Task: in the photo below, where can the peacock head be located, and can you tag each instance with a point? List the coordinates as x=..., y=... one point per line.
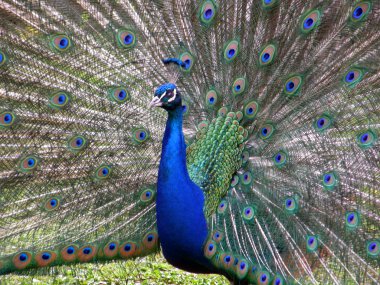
x=166, y=96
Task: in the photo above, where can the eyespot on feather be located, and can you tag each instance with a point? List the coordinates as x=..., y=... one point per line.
x=59, y=100
x=7, y=119
x=373, y=248
x=248, y=214
x=147, y=195
x=280, y=159
x=140, y=135
x=60, y=43
x=188, y=59
x=126, y=39
x=69, y=253
x=322, y=123
x=222, y=112
x=150, y=240
x=212, y=98
x=127, y=249
x=242, y=268
x=250, y=110
x=86, y=253
x=329, y=180
x=366, y=139
x=312, y=243
x=210, y=249
x=266, y=131
x=103, y=172
x=353, y=77
x=29, y=163
x=267, y=55
x=76, y=143
x=310, y=21
x=239, y=86
x=119, y=94
x=22, y=260
x=207, y=12
x=352, y=220
x=293, y=85
x=222, y=207
x=111, y=249
x=45, y=258
x=360, y=11
x=231, y=50
x=3, y=58
x=52, y=204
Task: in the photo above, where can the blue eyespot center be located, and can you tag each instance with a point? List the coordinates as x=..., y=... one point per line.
x=321, y=123
x=263, y=278
x=351, y=217
x=264, y=131
x=278, y=157
x=7, y=118
x=290, y=86
x=87, y=250
x=31, y=162
x=364, y=138
x=289, y=202
x=268, y=1
x=112, y=246
x=70, y=250
x=221, y=205
x=46, y=256
x=23, y=257
x=231, y=53
x=122, y=94
x=227, y=259
x=308, y=23
x=210, y=247
x=278, y=281
x=265, y=57
x=1, y=57
x=350, y=76
x=311, y=240
x=327, y=178
x=61, y=99
x=127, y=247
x=247, y=212
x=63, y=43
x=105, y=171
x=128, y=39
x=372, y=246
x=208, y=14
x=142, y=135
x=358, y=12
x=211, y=99
x=79, y=142
x=250, y=111
x=147, y=194
x=53, y=202
x=150, y=238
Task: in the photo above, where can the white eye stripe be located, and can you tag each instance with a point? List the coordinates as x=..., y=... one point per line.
x=163, y=95
x=175, y=95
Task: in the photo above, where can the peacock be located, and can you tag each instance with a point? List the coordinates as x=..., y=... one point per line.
x=237, y=137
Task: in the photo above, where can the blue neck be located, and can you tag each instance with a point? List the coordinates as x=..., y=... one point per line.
x=181, y=223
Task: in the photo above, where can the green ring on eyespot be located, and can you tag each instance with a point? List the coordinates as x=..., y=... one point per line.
x=280, y=159
x=366, y=139
x=239, y=86
x=188, y=59
x=211, y=98
x=310, y=21
x=103, y=172
x=29, y=163
x=231, y=50
x=329, y=180
x=140, y=135
x=266, y=131
x=147, y=195
x=60, y=43
x=353, y=77
x=59, y=100
x=293, y=85
x=312, y=243
x=246, y=178
x=118, y=94
x=126, y=39
x=360, y=11
x=352, y=220
x=7, y=119
x=3, y=58
x=373, y=248
x=76, y=143
x=267, y=55
x=207, y=12
x=250, y=110
x=322, y=123
x=249, y=213
x=222, y=207
x=291, y=205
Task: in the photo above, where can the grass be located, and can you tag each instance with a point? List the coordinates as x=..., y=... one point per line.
x=145, y=271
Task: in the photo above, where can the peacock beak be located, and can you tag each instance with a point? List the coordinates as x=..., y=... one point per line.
x=156, y=102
